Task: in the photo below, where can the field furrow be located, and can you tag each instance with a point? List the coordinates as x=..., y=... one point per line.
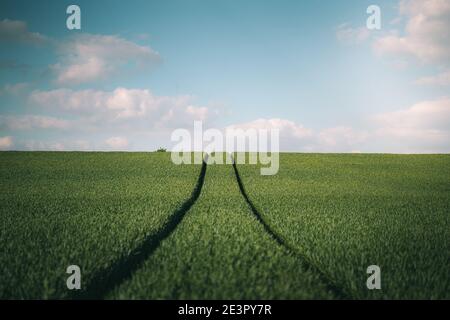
x=141, y=227
x=100, y=211
x=123, y=268
x=347, y=212
x=338, y=292
x=221, y=251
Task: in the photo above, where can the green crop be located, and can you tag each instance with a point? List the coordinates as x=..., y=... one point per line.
x=141, y=227
x=220, y=251
x=87, y=209
x=346, y=212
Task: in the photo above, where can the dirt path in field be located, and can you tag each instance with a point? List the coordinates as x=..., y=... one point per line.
x=121, y=270
x=339, y=292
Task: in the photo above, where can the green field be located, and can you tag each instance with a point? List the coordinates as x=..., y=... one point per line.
x=346, y=212
x=141, y=227
x=88, y=209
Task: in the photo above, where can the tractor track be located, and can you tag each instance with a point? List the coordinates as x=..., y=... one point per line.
x=106, y=280
x=331, y=286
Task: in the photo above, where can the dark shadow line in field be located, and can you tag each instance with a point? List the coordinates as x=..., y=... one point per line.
x=330, y=285
x=106, y=280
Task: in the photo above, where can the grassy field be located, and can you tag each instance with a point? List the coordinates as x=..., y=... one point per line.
x=88, y=209
x=220, y=251
x=142, y=227
x=346, y=212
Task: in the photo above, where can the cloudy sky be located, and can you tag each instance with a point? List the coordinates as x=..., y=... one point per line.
x=137, y=70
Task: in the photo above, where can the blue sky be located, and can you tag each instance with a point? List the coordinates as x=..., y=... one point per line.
x=139, y=69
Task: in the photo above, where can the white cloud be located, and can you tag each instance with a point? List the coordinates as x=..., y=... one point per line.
x=423, y=126
x=5, y=142
x=135, y=113
x=285, y=127
x=28, y=122
x=117, y=143
x=13, y=89
x=429, y=8
x=136, y=107
x=17, y=31
x=346, y=34
x=427, y=32
x=442, y=79
x=433, y=114
x=341, y=138
x=293, y=136
x=87, y=57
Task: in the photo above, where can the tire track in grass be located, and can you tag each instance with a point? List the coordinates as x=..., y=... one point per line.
x=340, y=292
x=219, y=251
x=106, y=280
